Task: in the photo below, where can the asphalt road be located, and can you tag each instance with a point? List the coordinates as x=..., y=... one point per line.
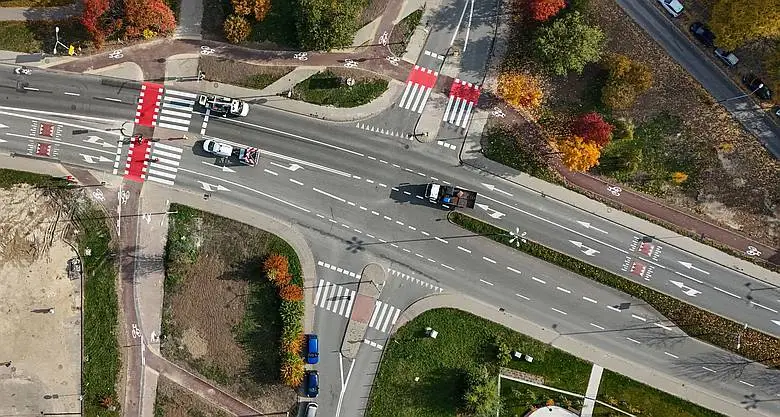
x=347, y=189
x=707, y=73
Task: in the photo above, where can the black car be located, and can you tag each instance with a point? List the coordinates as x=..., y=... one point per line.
x=701, y=32
x=757, y=87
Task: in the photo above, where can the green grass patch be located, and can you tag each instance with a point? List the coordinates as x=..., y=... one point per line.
x=518, y=399
x=10, y=177
x=637, y=398
x=35, y=3
x=403, y=31
x=465, y=341
x=101, y=312
x=329, y=89
x=695, y=322
x=38, y=36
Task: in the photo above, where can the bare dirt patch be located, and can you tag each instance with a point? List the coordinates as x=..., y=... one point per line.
x=41, y=307
x=174, y=401
x=221, y=315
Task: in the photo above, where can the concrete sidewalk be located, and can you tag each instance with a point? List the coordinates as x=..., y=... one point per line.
x=623, y=366
x=40, y=13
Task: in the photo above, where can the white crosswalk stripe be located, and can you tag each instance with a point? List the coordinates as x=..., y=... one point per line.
x=176, y=110
x=334, y=298
x=165, y=163
x=384, y=316
x=459, y=109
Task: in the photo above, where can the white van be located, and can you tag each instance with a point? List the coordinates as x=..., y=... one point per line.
x=311, y=410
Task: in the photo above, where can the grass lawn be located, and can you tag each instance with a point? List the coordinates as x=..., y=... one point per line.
x=101, y=311
x=220, y=314
x=518, y=398
x=693, y=321
x=464, y=341
x=329, y=89
x=9, y=178
x=31, y=37
x=241, y=73
x=512, y=147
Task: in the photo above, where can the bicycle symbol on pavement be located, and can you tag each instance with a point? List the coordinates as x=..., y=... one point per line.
x=753, y=251
x=207, y=50
x=115, y=54
x=301, y=56
x=498, y=112
x=98, y=195
x=136, y=331
x=384, y=39
x=615, y=191
x=124, y=196
x=348, y=63
x=393, y=60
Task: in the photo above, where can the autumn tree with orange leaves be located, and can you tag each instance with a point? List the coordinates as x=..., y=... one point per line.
x=276, y=265
x=542, y=10
x=577, y=154
x=291, y=292
x=521, y=91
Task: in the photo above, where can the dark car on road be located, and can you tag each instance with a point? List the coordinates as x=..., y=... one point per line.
x=312, y=349
x=703, y=34
x=312, y=384
x=757, y=87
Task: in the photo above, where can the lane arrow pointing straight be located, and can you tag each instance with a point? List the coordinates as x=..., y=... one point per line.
x=686, y=289
x=777, y=322
x=100, y=141
x=588, y=251
x=292, y=167
x=211, y=187
x=690, y=266
x=495, y=213
x=224, y=168
x=492, y=187
x=2, y=126
x=94, y=159
x=589, y=226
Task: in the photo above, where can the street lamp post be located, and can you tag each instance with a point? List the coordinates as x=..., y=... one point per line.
x=57, y=39
x=761, y=85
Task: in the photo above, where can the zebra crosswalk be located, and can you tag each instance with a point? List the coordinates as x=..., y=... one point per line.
x=176, y=110
x=165, y=163
x=340, y=300
x=381, y=317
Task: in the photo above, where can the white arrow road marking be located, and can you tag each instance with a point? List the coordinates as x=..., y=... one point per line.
x=589, y=226
x=291, y=167
x=588, y=251
x=492, y=187
x=686, y=289
x=495, y=213
x=224, y=168
x=690, y=266
x=95, y=159
x=208, y=187
x=777, y=322
x=100, y=141
x=2, y=126
x=308, y=164
x=3, y=140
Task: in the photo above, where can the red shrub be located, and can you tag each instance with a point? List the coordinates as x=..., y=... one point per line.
x=542, y=10
x=91, y=15
x=291, y=292
x=148, y=14
x=592, y=128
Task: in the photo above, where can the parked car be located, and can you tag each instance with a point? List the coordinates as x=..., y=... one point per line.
x=703, y=34
x=674, y=7
x=757, y=87
x=312, y=384
x=727, y=57
x=311, y=410
x=312, y=349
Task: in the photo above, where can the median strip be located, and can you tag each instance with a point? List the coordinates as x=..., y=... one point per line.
x=692, y=320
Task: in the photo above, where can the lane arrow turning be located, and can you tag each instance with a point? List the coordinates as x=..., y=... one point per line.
x=588, y=251
x=495, y=213
x=211, y=187
x=94, y=159
x=589, y=226
x=292, y=167
x=224, y=168
x=686, y=289
x=99, y=141
x=690, y=266
x=492, y=187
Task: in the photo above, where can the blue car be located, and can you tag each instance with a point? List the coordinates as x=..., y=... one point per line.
x=312, y=384
x=312, y=349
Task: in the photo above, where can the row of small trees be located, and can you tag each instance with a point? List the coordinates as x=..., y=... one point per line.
x=126, y=19
x=291, y=311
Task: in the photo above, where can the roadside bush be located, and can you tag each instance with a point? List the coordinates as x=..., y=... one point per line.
x=626, y=81
x=324, y=24
x=291, y=292
x=242, y=7
x=292, y=369
x=237, y=29
x=261, y=9
x=148, y=14
x=503, y=352
x=481, y=398
x=593, y=128
x=293, y=346
x=275, y=266
x=577, y=154
x=92, y=19
x=568, y=44
x=521, y=91
x=542, y=10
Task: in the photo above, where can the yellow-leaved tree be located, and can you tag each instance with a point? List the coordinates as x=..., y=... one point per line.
x=577, y=154
x=737, y=22
x=521, y=91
